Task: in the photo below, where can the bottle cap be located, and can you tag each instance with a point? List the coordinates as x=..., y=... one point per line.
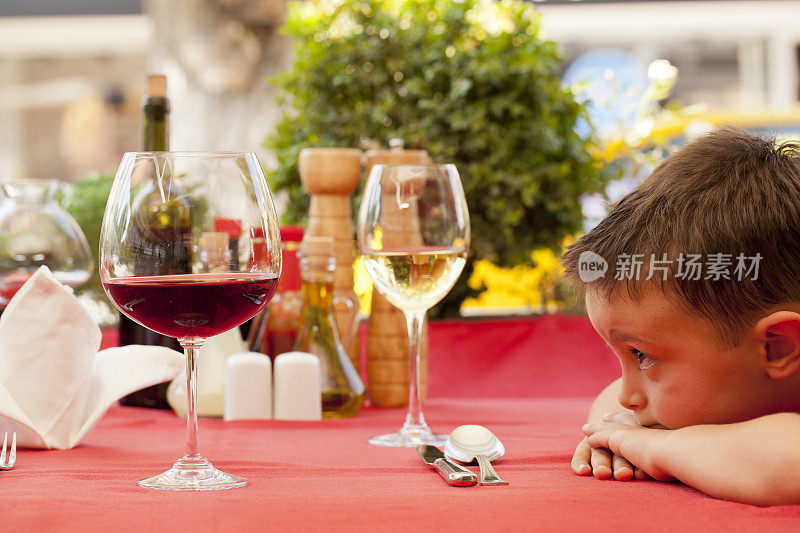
x=288, y=233
x=291, y=236
x=291, y=233
x=157, y=85
x=231, y=226
x=214, y=251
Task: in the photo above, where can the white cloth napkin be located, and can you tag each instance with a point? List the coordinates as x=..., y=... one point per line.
x=54, y=385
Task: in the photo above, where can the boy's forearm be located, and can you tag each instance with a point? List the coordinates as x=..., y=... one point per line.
x=756, y=462
x=606, y=402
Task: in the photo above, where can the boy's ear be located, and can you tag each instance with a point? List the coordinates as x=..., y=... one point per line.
x=779, y=334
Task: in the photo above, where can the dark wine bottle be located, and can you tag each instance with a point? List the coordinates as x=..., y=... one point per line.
x=158, y=221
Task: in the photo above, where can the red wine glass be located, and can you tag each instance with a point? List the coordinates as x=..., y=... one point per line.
x=190, y=248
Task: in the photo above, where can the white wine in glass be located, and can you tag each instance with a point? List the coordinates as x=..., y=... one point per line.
x=415, y=279
x=413, y=235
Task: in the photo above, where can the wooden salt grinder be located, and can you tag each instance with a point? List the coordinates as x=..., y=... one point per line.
x=330, y=175
x=387, y=341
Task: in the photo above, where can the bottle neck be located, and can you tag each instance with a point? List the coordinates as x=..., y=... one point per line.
x=317, y=266
x=317, y=292
x=155, y=134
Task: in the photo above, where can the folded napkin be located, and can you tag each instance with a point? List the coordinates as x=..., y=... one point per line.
x=54, y=385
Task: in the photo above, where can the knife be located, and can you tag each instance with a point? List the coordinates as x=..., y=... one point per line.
x=454, y=474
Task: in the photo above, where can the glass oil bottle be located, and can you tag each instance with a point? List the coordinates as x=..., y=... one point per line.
x=342, y=389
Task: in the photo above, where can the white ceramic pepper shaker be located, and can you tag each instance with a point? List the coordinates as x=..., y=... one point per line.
x=248, y=387
x=298, y=393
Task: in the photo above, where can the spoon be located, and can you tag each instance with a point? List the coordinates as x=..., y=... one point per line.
x=468, y=443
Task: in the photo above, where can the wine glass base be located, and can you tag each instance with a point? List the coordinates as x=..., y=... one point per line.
x=409, y=439
x=193, y=473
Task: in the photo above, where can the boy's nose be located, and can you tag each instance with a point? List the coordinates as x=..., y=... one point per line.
x=630, y=396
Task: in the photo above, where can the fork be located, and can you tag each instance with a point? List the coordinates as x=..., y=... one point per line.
x=12, y=456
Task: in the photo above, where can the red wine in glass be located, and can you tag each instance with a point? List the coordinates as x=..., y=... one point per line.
x=192, y=305
x=154, y=268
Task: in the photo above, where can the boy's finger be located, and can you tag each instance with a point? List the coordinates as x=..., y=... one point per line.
x=623, y=470
x=599, y=440
x=581, y=459
x=594, y=427
x=622, y=418
x=601, y=463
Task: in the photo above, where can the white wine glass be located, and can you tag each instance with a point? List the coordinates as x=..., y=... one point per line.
x=190, y=248
x=413, y=236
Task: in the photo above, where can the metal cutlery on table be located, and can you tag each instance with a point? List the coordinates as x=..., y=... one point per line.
x=453, y=474
x=476, y=443
x=12, y=456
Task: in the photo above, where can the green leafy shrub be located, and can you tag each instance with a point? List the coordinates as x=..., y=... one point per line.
x=86, y=202
x=472, y=82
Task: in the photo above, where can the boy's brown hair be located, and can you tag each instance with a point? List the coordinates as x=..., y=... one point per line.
x=726, y=193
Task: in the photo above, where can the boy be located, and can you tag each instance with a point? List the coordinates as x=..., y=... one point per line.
x=700, y=301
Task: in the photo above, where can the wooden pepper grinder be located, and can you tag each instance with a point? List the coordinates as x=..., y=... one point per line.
x=330, y=175
x=387, y=342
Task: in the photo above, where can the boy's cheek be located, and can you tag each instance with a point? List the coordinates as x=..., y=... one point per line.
x=672, y=417
x=662, y=412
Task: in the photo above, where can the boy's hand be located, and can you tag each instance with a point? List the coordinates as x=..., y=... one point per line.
x=603, y=463
x=619, y=435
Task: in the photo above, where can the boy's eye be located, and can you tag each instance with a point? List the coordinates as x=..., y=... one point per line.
x=644, y=360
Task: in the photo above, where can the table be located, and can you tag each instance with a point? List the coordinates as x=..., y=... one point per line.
x=323, y=476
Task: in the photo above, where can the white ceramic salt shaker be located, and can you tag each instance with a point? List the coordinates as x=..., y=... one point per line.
x=248, y=387
x=298, y=393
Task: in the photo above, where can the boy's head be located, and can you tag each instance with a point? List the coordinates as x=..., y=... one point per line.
x=702, y=266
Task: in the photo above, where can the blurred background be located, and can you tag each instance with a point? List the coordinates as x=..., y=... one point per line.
x=649, y=75
x=72, y=71
x=72, y=76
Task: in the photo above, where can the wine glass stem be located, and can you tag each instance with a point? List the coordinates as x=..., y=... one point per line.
x=191, y=399
x=414, y=321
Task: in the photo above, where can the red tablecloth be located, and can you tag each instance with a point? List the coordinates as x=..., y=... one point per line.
x=324, y=476
x=308, y=476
